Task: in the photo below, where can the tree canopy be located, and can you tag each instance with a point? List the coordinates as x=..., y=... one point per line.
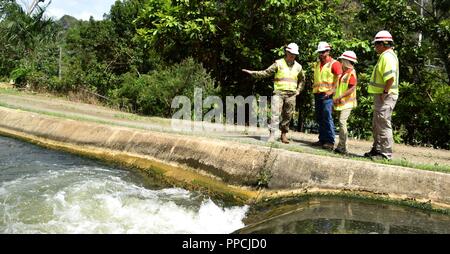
x=145, y=52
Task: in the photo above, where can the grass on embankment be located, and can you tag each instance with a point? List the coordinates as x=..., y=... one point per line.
x=396, y=162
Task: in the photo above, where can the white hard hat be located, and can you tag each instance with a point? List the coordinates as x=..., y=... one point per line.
x=349, y=55
x=292, y=48
x=323, y=46
x=383, y=36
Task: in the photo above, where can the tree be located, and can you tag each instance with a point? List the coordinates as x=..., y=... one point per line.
x=126, y=56
x=227, y=36
x=421, y=114
x=30, y=41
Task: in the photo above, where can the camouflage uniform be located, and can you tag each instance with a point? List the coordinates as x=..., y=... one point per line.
x=282, y=101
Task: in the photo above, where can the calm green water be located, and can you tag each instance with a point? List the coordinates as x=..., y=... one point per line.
x=45, y=191
x=342, y=216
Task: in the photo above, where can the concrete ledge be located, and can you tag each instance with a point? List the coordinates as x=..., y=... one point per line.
x=236, y=163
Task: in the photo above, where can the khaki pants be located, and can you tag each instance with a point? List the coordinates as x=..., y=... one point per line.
x=383, y=139
x=284, y=102
x=343, y=133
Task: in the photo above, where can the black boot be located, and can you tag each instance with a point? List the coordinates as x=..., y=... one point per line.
x=372, y=153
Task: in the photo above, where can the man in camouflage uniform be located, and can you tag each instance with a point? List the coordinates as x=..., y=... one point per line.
x=288, y=83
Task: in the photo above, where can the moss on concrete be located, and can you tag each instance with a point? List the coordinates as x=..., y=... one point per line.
x=170, y=174
x=193, y=179
x=403, y=163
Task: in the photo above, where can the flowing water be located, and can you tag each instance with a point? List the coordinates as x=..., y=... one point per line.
x=45, y=191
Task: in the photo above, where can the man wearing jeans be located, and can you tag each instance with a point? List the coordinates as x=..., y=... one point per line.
x=384, y=87
x=326, y=74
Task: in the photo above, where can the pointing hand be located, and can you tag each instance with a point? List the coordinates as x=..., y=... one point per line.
x=246, y=71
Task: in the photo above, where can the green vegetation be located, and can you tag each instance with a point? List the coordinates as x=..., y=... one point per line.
x=264, y=176
x=146, y=52
x=9, y=91
x=396, y=162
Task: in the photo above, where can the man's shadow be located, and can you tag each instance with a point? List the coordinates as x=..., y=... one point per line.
x=311, y=144
x=294, y=140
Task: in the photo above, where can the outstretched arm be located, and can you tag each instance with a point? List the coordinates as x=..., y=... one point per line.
x=263, y=74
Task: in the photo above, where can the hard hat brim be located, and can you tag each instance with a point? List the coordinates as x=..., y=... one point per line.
x=322, y=50
x=347, y=58
x=382, y=40
x=295, y=52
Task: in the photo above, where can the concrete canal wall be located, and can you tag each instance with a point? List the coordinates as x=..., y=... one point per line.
x=228, y=167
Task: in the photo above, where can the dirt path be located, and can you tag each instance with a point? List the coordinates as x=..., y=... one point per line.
x=300, y=141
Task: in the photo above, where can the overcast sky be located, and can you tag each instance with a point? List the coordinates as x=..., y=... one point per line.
x=80, y=9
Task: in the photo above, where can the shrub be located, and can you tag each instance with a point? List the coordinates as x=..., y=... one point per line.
x=152, y=94
x=19, y=75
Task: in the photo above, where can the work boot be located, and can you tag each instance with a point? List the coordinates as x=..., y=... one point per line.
x=284, y=138
x=341, y=151
x=328, y=146
x=372, y=153
x=318, y=143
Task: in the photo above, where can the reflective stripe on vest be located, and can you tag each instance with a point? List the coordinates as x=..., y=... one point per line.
x=377, y=84
x=323, y=79
x=286, y=78
x=347, y=101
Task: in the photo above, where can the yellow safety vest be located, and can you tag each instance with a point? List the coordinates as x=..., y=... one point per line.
x=286, y=78
x=347, y=101
x=324, y=80
x=386, y=68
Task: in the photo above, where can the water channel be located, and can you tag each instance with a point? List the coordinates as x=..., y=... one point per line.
x=45, y=191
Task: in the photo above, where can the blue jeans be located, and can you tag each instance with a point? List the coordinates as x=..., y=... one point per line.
x=324, y=108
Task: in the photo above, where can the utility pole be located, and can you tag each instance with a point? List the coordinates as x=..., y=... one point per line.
x=421, y=15
x=59, y=62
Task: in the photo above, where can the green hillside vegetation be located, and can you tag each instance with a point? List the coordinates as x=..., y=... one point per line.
x=146, y=52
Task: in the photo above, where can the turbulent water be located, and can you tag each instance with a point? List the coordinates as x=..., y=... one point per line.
x=43, y=191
